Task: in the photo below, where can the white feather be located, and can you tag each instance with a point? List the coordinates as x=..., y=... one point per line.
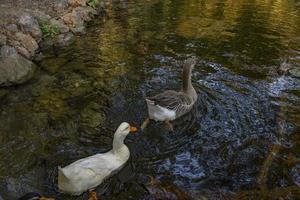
x=158, y=113
x=87, y=173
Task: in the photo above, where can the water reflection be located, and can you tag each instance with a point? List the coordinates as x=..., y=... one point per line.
x=239, y=140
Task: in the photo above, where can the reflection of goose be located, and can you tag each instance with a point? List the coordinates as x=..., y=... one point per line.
x=87, y=173
x=170, y=104
x=33, y=196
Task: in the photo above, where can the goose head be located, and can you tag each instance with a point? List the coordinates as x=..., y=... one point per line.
x=122, y=131
x=189, y=64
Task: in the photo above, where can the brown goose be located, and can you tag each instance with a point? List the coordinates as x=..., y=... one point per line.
x=170, y=105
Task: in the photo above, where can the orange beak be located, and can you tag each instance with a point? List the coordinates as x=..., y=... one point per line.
x=133, y=129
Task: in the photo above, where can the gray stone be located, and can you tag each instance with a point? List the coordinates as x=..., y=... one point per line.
x=42, y=17
x=84, y=13
x=46, y=44
x=295, y=72
x=7, y=51
x=78, y=30
x=12, y=28
x=28, y=42
x=39, y=57
x=75, y=3
x=14, y=43
x=73, y=19
x=23, y=52
x=61, y=6
x=14, y=69
x=91, y=10
x=64, y=39
x=30, y=25
x=63, y=28
x=2, y=40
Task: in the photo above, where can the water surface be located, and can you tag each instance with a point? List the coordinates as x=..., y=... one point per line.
x=239, y=141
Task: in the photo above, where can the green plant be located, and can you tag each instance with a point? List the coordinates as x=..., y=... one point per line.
x=49, y=30
x=92, y=3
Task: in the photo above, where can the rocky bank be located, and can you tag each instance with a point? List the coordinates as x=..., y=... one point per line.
x=28, y=26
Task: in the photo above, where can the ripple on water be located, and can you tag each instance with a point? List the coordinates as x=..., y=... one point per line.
x=225, y=142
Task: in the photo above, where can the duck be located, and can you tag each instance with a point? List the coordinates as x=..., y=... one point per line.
x=33, y=196
x=170, y=105
x=87, y=173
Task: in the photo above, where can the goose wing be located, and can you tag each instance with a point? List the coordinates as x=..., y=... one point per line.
x=100, y=164
x=172, y=100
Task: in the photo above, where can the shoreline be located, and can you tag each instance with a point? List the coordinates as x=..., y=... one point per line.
x=29, y=27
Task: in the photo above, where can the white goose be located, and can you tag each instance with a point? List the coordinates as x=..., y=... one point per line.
x=87, y=173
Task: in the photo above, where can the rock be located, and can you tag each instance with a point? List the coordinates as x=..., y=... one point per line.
x=295, y=72
x=7, y=51
x=91, y=10
x=52, y=65
x=78, y=30
x=84, y=13
x=14, y=69
x=2, y=40
x=12, y=28
x=39, y=57
x=23, y=52
x=14, y=43
x=73, y=19
x=28, y=42
x=61, y=6
x=30, y=25
x=42, y=17
x=64, y=39
x=46, y=44
x=76, y=3
x=63, y=28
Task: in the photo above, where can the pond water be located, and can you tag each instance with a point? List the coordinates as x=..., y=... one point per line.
x=241, y=140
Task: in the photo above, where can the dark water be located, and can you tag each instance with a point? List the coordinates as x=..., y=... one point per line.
x=241, y=140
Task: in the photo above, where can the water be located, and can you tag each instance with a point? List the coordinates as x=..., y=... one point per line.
x=239, y=141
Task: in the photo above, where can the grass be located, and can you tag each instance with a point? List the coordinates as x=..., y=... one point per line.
x=92, y=3
x=49, y=31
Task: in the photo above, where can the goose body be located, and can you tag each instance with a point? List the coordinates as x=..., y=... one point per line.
x=170, y=105
x=88, y=173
